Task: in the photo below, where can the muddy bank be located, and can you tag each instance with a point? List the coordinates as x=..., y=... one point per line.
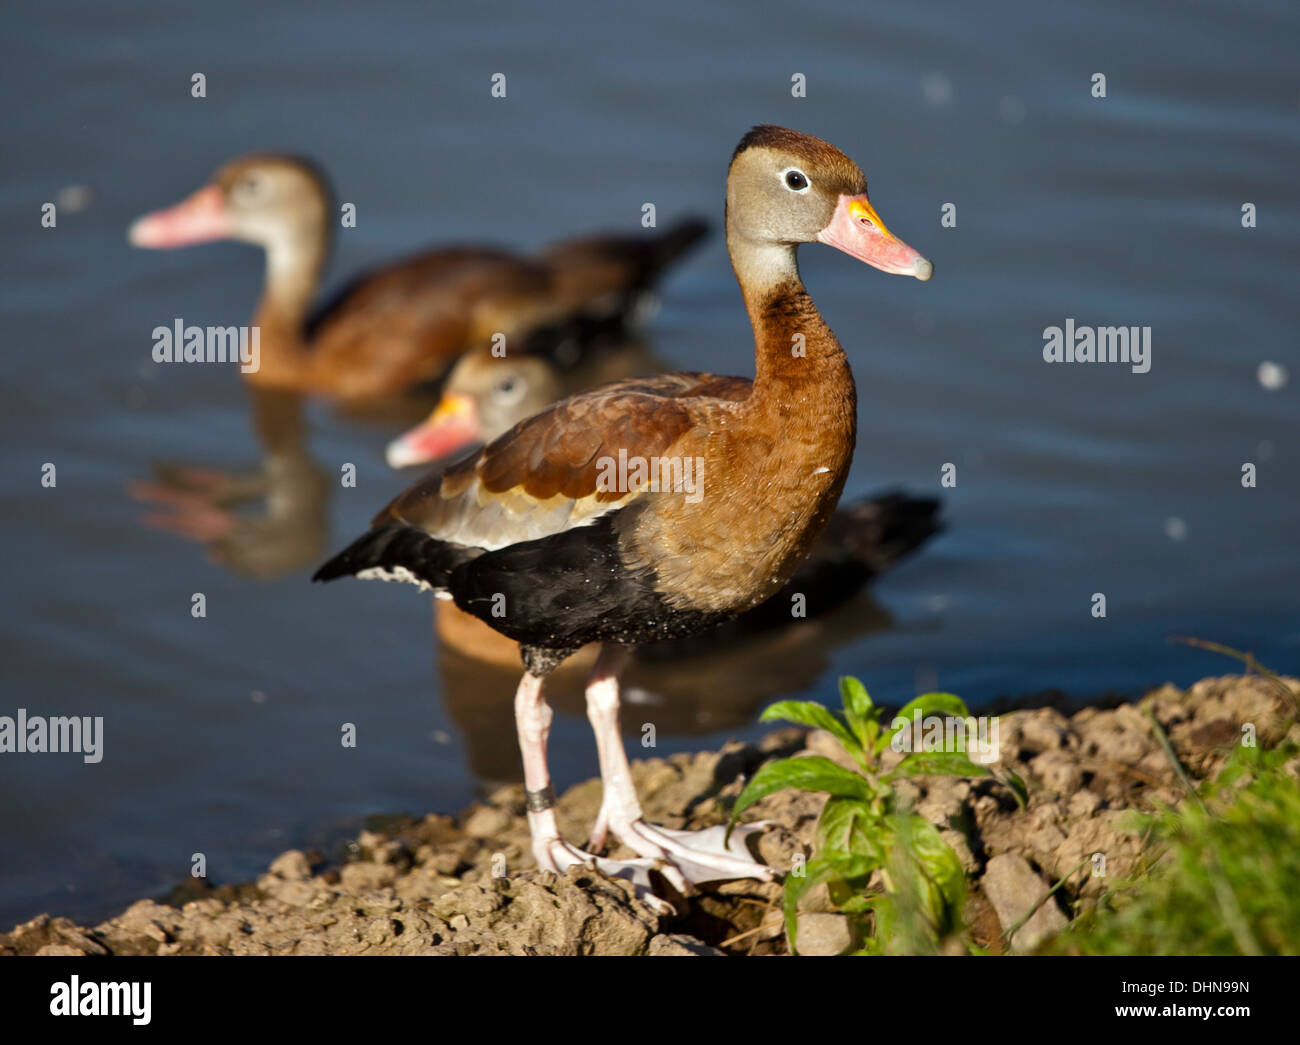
x=465, y=884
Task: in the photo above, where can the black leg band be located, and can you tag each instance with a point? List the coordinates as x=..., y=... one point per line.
x=539, y=801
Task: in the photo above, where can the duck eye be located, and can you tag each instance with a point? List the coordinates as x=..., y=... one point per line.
x=250, y=185
x=508, y=391
x=796, y=181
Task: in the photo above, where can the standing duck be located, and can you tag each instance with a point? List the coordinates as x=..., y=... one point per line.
x=484, y=396
x=531, y=535
x=402, y=324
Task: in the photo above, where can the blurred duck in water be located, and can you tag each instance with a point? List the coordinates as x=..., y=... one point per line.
x=403, y=323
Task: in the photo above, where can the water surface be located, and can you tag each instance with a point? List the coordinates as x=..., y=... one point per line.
x=222, y=734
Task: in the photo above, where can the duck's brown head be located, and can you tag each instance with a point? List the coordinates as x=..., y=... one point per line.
x=278, y=202
x=484, y=396
x=786, y=188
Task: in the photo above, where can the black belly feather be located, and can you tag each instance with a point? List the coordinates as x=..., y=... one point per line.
x=552, y=595
x=564, y=591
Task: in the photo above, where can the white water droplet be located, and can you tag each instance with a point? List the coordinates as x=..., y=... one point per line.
x=1272, y=375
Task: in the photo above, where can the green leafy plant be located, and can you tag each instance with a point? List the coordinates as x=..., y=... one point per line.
x=864, y=834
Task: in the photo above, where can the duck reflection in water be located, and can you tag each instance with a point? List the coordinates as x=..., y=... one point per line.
x=211, y=506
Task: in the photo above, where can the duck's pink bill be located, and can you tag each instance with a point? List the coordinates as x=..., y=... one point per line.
x=451, y=427
x=198, y=219
x=856, y=229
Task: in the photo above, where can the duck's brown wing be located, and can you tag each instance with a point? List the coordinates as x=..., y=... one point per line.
x=523, y=533
x=547, y=475
x=406, y=322
x=551, y=472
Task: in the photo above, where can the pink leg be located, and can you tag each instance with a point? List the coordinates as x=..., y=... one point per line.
x=694, y=856
x=602, y=713
x=533, y=721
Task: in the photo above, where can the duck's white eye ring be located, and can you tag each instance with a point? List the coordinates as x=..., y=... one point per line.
x=795, y=180
x=509, y=391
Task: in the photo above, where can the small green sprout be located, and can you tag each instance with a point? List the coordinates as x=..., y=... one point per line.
x=884, y=866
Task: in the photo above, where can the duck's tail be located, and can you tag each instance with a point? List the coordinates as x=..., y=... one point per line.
x=599, y=270
x=397, y=552
x=608, y=284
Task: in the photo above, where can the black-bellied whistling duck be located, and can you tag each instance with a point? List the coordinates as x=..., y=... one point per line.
x=402, y=324
x=526, y=535
x=485, y=396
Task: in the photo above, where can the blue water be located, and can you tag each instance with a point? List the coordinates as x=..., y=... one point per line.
x=222, y=733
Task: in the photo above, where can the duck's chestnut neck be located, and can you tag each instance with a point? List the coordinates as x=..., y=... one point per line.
x=792, y=342
x=295, y=259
